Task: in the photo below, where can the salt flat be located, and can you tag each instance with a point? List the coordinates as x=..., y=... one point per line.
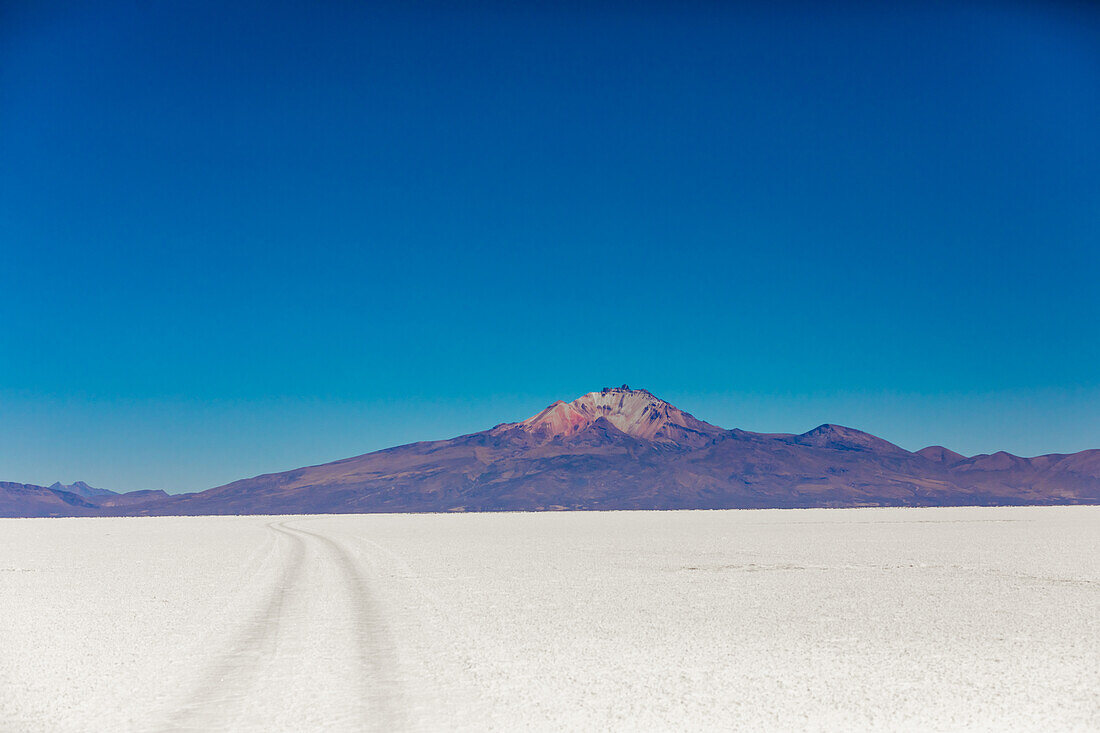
x=908, y=619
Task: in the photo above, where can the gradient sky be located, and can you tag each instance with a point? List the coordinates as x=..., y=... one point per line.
x=243, y=240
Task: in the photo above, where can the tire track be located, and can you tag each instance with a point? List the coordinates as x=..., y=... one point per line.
x=231, y=677
x=375, y=650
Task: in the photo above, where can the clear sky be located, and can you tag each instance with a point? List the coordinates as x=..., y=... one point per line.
x=240, y=240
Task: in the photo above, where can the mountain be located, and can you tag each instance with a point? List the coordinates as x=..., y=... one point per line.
x=623, y=448
x=939, y=454
x=81, y=489
x=634, y=412
x=29, y=500
x=73, y=500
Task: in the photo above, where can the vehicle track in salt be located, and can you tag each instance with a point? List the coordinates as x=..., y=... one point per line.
x=233, y=673
x=376, y=653
x=215, y=701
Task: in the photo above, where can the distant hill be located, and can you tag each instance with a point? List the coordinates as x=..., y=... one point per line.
x=81, y=489
x=73, y=500
x=623, y=448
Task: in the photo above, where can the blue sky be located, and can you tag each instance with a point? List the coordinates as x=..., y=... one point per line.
x=242, y=240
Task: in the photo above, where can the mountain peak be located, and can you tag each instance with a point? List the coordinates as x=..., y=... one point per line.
x=939, y=454
x=839, y=437
x=80, y=488
x=635, y=412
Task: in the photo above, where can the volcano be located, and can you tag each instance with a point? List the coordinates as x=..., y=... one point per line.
x=633, y=412
x=623, y=448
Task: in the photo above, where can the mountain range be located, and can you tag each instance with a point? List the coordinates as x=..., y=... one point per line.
x=73, y=500
x=618, y=448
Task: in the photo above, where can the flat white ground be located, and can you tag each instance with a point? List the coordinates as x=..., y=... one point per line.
x=916, y=619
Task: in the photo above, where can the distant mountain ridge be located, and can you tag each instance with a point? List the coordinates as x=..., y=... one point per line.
x=81, y=489
x=73, y=500
x=618, y=448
